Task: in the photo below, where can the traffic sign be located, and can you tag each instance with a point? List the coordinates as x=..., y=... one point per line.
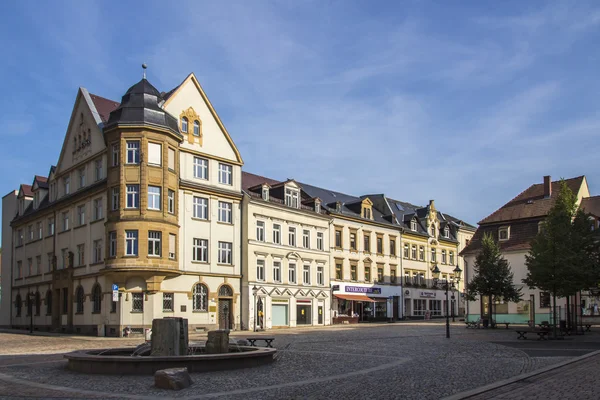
x=115, y=287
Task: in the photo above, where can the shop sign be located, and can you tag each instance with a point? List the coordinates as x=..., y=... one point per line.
x=279, y=300
x=335, y=287
x=427, y=294
x=303, y=301
x=359, y=289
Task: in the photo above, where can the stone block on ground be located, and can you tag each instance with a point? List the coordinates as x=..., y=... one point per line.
x=218, y=342
x=172, y=378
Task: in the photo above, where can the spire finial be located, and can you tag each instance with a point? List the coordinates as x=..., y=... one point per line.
x=144, y=66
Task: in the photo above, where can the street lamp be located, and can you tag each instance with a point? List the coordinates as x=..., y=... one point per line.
x=457, y=273
x=446, y=286
x=254, y=292
x=30, y=297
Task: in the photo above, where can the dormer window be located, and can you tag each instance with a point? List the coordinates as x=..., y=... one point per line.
x=433, y=230
x=67, y=184
x=413, y=225
x=504, y=233
x=265, y=193
x=317, y=206
x=338, y=207
x=292, y=198
x=184, y=124
x=367, y=213
x=446, y=232
x=196, y=128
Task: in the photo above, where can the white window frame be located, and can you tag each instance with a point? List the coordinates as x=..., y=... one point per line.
x=276, y=233
x=225, y=212
x=131, y=239
x=291, y=236
x=154, y=158
x=501, y=230
x=134, y=192
x=260, y=231
x=200, y=207
x=115, y=198
x=306, y=238
x=200, y=250
x=112, y=244
x=115, y=155
x=184, y=124
x=225, y=255
x=133, y=152
x=292, y=198
x=277, y=271
x=320, y=275
x=225, y=174
x=200, y=168
x=154, y=243
x=305, y=269
x=292, y=276
x=171, y=201
x=81, y=177
x=65, y=219
x=98, y=170
x=67, y=184
x=196, y=128
x=98, y=210
x=413, y=225
x=97, y=250
x=154, y=198
x=319, y=240
x=260, y=269
x=81, y=215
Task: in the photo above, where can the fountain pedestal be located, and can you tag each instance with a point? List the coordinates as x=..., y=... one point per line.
x=169, y=337
x=218, y=342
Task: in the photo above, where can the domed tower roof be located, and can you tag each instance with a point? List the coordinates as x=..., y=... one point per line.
x=139, y=106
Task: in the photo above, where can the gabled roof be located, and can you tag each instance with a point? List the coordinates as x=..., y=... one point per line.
x=25, y=190
x=42, y=182
x=591, y=205
x=251, y=180
x=104, y=106
x=531, y=203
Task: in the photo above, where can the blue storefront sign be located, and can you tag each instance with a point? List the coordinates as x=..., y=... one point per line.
x=359, y=289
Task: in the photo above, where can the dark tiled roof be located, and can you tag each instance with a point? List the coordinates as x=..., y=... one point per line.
x=165, y=95
x=530, y=203
x=591, y=205
x=104, y=106
x=42, y=181
x=521, y=234
x=251, y=180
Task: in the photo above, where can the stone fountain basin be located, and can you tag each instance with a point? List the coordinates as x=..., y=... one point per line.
x=119, y=361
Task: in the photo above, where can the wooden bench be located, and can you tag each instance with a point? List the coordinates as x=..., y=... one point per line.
x=542, y=335
x=268, y=340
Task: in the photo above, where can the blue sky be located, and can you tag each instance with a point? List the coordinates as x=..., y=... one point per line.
x=467, y=103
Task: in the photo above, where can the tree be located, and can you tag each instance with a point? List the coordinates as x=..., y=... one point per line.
x=492, y=275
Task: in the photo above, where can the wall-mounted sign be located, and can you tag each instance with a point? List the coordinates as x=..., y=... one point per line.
x=279, y=300
x=406, y=292
x=335, y=287
x=360, y=289
x=212, y=308
x=427, y=294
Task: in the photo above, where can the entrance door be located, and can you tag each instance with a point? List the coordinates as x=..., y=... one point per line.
x=320, y=311
x=395, y=305
x=225, y=314
x=279, y=313
x=303, y=315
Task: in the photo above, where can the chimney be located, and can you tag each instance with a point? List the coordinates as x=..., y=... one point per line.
x=547, y=186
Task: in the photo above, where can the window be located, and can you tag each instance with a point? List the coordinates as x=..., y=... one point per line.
x=452, y=258
x=317, y=207
x=306, y=275
x=18, y=304
x=115, y=198
x=48, y=302
x=353, y=241
x=98, y=169
x=65, y=298
x=171, y=201
x=291, y=198
x=97, y=299
x=115, y=155
x=200, y=250
x=67, y=184
x=265, y=193
x=167, y=302
x=413, y=225
x=133, y=152
x=200, y=297
x=50, y=226
x=276, y=271
x=292, y=272
x=260, y=270
x=153, y=198
x=38, y=265
x=379, y=274
x=225, y=249
x=338, y=271
x=503, y=233
x=81, y=215
x=97, y=250
x=306, y=239
x=446, y=232
x=79, y=298
x=393, y=247
x=276, y=233
x=19, y=272
x=65, y=219
x=367, y=244
x=225, y=212
x=413, y=252
x=319, y=240
x=154, y=239
x=81, y=178
x=131, y=243
x=133, y=196
x=260, y=231
x=544, y=299
x=433, y=255
x=171, y=159
x=200, y=168
x=40, y=234
x=196, y=128
x=137, y=302
x=320, y=276
x=379, y=245
x=200, y=208
x=393, y=275
x=112, y=244
x=444, y=259
x=405, y=250
x=292, y=236
x=80, y=255
x=338, y=238
x=421, y=253
x=353, y=274
x=367, y=274
x=29, y=266
x=50, y=261
x=154, y=153
x=65, y=256
x=367, y=213
x=30, y=230
x=172, y=245
x=20, y=237
x=98, y=214
x=225, y=174
x=184, y=124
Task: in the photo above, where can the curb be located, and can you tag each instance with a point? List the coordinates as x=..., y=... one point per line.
x=483, y=389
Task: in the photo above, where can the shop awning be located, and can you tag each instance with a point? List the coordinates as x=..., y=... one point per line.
x=360, y=297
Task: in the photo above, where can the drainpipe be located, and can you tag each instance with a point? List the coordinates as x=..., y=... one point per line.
x=241, y=308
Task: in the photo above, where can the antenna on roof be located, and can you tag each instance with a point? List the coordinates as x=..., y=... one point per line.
x=144, y=66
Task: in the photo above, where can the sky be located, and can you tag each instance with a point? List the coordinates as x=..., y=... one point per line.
x=467, y=103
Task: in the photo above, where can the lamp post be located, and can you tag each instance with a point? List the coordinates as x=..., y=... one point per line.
x=254, y=292
x=30, y=297
x=457, y=273
x=446, y=286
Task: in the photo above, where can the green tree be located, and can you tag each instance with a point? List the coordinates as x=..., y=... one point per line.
x=493, y=277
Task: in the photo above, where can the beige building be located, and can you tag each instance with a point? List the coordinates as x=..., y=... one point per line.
x=286, y=256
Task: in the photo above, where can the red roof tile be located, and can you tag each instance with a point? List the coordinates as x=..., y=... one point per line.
x=250, y=180
x=26, y=189
x=40, y=179
x=591, y=205
x=104, y=106
x=530, y=203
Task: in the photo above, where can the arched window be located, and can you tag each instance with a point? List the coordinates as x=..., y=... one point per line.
x=38, y=303
x=79, y=298
x=225, y=291
x=18, y=305
x=49, y=302
x=184, y=124
x=196, y=128
x=29, y=303
x=97, y=298
x=200, y=297
x=433, y=230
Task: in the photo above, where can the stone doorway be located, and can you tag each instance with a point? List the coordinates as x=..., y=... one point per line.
x=226, y=307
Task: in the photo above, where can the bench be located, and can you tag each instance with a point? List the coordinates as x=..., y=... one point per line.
x=505, y=323
x=542, y=335
x=268, y=341
x=472, y=324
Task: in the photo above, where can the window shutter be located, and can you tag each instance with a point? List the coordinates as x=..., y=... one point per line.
x=171, y=245
x=172, y=159
x=154, y=153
